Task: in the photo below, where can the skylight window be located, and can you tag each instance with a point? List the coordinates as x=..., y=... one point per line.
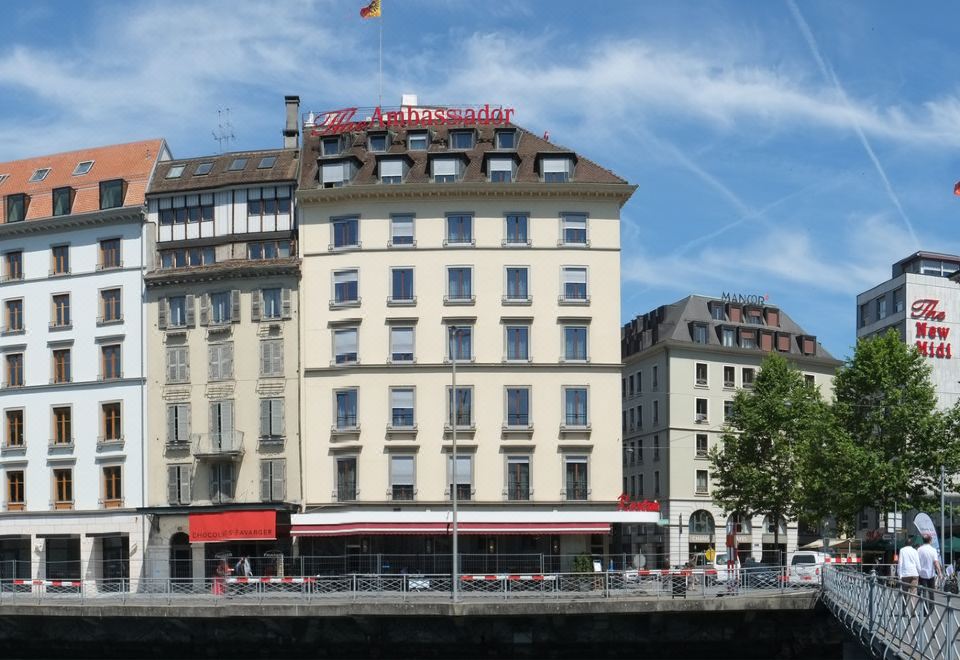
x=175, y=171
x=266, y=163
x=237, y=164
x=39, y=175
x=3, y=177
x=203, y=169
x=82, y=167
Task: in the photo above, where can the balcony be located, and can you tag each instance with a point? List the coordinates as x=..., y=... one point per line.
x=575, y=423
x=518, y=494
x=460, y=299
x=402, y=493
x=177, y=445
x=218, y=446
x=517, y=299
x=272, y=442
x=346, y=493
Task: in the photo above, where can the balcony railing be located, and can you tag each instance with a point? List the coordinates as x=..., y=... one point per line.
x=223, y=444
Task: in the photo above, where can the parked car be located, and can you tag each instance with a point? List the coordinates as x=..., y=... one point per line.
x=760, y=576
x=719, y=564
x=805, y=567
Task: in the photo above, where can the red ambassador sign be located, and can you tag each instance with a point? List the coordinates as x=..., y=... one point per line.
x=625, y=504
x=931, y=338
x=336, y=122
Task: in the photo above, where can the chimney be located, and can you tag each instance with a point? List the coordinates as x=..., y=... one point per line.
x=291, y=132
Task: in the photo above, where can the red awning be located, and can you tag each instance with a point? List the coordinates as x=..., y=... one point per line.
x=233, y=526
x=440, y=528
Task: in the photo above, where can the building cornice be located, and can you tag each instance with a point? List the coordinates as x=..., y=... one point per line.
x=73, y=385
x=220, y=272
x=673, y=345
x=444, y=367
x=73, y=221
x=619, y=192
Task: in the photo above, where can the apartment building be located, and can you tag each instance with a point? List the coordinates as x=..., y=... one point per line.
x=72, y=397
x=479, y=246
x=222, y=333
x=683, y=364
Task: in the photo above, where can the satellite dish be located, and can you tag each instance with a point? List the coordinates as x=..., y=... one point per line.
x=639, y=560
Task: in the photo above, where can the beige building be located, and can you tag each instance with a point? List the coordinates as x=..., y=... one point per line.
x=222, y=332
x=683, y=364
x=481, y=245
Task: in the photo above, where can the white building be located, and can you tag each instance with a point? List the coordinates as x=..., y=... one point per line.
x=72, y=347
x=683, y=363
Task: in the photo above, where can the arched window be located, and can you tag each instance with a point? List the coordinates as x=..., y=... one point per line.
x=701, y=522
x=740, y=522
x=768, y=526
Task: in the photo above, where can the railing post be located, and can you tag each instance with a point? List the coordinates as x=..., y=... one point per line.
x=873, y=601
x=950, y=632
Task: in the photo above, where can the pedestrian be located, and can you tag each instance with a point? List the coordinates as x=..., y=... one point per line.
x=908, y=570
x=930, y=568
x=243, y=567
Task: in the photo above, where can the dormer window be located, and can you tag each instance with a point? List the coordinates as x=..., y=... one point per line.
x=82, y=167
x=446, y=170
x=39, y=174
x=461, y=139
x=391, y=170
x=501, y=169
x=62, y=200
x=203, y=169
x=175, y=171
x=111, y=194
x=16, y=207
x=335, y=174
x=417, y=141
x=237, y=164
x=557, y=170
x=754, y=316
x=266, y=162
x=716, y=312
x=331, y=146
x=506, y=139
x=377, y=142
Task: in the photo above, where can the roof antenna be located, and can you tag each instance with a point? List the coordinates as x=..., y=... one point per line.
x=224, y=133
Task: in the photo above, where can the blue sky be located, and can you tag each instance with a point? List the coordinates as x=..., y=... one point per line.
x=795, y=149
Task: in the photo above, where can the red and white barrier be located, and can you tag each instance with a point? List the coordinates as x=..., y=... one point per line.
x=50, y=583
x=482, y=578
x=842, y=560
x=269, y=580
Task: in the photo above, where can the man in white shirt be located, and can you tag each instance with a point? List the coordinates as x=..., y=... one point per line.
x=930, y=567
x=908, y=569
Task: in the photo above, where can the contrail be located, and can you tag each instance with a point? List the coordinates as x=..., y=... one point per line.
x=832, y=78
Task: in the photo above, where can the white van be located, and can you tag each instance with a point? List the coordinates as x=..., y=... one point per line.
x=719, y=564
x=806, y=567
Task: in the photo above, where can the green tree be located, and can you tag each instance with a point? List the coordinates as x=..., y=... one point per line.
x=757, y=468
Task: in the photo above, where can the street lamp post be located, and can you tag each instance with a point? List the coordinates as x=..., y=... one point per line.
x=455, y=572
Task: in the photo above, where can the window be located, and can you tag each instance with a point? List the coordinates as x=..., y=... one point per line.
x=575, y=406
x=699, y=333
x=716, y=312
x=633, y=419
x=461, y=343
x=391, y=170
x=63, y=488
x=729, y=377
x=518, y=406
x=15, y=490
x=274, y=304
x=179, y=312
x=656, y=482
x=178, y=484
x=748, y=377
x=110, y=305
x=898, y=300
x=401, y=230
x=417, y=141
x=575, y=468
x=14, y=370
x=16, y=208
x=112, y=486
x=345, y=287
x=464, y=406
x=575, y=342
x=701, y=374
x=631, y=385
x=727, y=410
x=346, y=478
x=222, y=307
x=175, y=171
x=222, y=479
x=460, y=283
x=517, y=284
x=574, y=279
x=401, y=407
x=517, y=229
x=178, y=423
x=268, y=250
x=62, y=425
x=61, y=311
x=501, y=169
x=518, y=338
x=13, y=313
x=701, y=445
x=882, y=307
x=574, y=228
x=459, y=229
x=461, y=139
x=748, y=339
x=377, y=142
x=110, y=362
x=178, y=364
x=62, y=201
x=331, y=146
x=518, y=478
x=463, y=477
x=61, y=365
x=556, y=170
x=346, y=402
x=623, y=387
x=192, y=257
x=39, y=175
x=82, y=167
x=272, y=419
x=640, y=417
x=266, y=162
x=402, y=478
x=13, y=265
x=700, y=408
x=14, y=428
x=61, y=259
x=273, y=480
x=446, y=170
x=656, y=447
x=810, y=379
x=656, y=379
x=656, y=412
x=401, y=285
x=203, y=169
x=271, y=357
x=728, y=337
x=754, y=316
x=220, y=365
x=237, y=164
x=346, y=232
x=111, y=194
x=335, y=174
x=701, y=482
x=264, y=204
x=345, y=346
x=222, y=436
x=401, y=344
x=506, y=139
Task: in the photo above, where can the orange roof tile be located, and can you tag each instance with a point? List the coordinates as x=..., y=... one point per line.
x=133, y=162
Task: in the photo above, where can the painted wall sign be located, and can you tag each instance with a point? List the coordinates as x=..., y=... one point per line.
x=931, y=339
x=336, y=122
x=749, y=299
x=625, y=504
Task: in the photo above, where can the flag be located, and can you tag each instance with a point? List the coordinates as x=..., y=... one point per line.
x=956, y=188
x=372, y=10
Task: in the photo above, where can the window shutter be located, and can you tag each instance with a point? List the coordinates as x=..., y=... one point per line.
x=185, y=485
x=276, y=421
x=188, y=314
x=279, y=480
x=162, y=314
x=185, y=421
x=172, y=364
x=204, y=309
x=226, y=408
x=235, y=306
x=227, y=361
x=285, y=302
x=172, y=424
x=265, y=358
x=255, y=304
x=226, y=480
x=277, y=357
x=215, y=482
x=265, y=481
x=213, y=363
x=264, y=418
x=185, y=363
x=173, y=489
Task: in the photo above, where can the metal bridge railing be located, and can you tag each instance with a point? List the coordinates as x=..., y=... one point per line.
x=891, y=621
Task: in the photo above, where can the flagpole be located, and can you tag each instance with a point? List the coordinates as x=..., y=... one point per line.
x=380, y=64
